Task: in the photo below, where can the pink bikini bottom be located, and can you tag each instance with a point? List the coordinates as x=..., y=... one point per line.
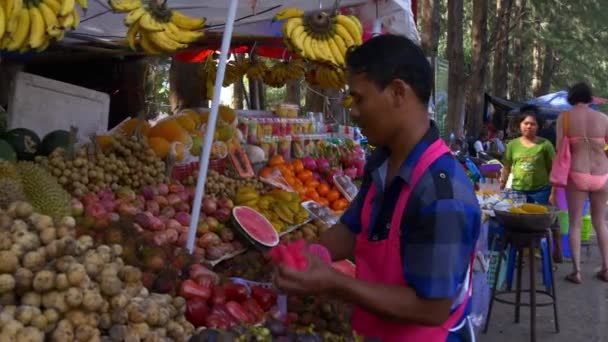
x=588, y=182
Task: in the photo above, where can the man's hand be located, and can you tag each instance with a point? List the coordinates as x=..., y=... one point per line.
x=319, y=278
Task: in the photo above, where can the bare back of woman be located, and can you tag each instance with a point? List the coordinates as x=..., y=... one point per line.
x=587, y=131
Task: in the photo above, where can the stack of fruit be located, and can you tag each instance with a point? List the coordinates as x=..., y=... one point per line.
x=307, y=180
x=57, y=287
x=32, y=25
x=319, y=35
x=156, y=28
x=284, y=71
x=309, y=232
x=324, y=315
x=280, y=207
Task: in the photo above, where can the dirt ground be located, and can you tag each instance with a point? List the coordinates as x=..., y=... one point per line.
x=582, y=309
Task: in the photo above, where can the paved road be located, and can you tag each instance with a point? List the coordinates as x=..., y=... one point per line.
x=582, y=310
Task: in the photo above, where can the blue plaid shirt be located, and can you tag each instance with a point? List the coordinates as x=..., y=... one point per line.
x=440, y=225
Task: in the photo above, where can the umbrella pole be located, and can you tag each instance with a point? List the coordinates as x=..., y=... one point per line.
x=215, y=104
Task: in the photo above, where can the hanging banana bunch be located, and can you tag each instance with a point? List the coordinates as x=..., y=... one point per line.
x=157, y=29
x=209, y=71
x=234, y=71
x=33, y=24
x=282, y=72
x=256, y=70
x=326, y=76
x=320, y=36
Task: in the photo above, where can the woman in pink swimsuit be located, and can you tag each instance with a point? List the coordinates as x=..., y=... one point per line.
x=587, y=130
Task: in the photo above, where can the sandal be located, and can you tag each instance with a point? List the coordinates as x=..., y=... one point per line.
x=602, y=275
x=574, y=277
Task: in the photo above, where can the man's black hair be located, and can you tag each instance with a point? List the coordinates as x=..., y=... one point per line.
x=580, y=93
x=388, y=57
x=530, y=111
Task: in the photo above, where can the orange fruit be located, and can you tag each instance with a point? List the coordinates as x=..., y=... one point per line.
x=312, y=195
x=290, y=180
x=267, y=171
x=339, y=204
x=312, y=183
x=323, y=189
x=332, y=195
x=323, y=201
x=276, y=160
x=305, y=175
x=297, y=165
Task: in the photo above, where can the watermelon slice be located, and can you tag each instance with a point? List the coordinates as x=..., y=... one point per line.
x=255, y=226
x=346, y=267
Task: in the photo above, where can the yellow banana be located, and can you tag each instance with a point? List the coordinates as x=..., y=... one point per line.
x=7, y=9
x=340, y=44
x=147, y=45
x=307, y=50
x=297, y=37
x=13, y=17
x=161, y=40
x=37, y=29
x=292, y=24
x=2, y=22
x=358, y=23
x=132, y=35
x=335, y=51
x=76, y=16
x=84, y=4
x=182, y=36
x=343, y=33
x=66, y=7
x=325, y=52
x=350, y=26
x=54, y=5
x=185, y=22
x=148, y=22
x=134, y=15
x=20, y=34
x=50, y=20
x=67, y=21
x=288, y=13
x=45, y=44
x=125, y=5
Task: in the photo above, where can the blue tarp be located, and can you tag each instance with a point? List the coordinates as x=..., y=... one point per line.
x=550, y=105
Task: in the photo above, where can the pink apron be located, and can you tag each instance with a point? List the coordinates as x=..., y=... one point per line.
x=380, y=262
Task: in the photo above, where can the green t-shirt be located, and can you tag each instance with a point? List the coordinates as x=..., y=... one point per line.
x=530, y=166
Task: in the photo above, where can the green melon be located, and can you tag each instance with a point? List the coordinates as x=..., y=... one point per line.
x=25, y=142
x=7, y=152
x=53, y=140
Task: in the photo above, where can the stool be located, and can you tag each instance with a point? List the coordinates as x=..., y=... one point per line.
x=518, y=241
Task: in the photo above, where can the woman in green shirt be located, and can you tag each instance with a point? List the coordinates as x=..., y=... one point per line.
x=529, y=158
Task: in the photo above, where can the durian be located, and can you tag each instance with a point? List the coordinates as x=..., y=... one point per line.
x=42, y=190
x=8, y=170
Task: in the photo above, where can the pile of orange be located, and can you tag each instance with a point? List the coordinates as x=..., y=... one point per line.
x=304, y=183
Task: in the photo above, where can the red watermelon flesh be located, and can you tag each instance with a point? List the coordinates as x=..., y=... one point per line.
x=256, y=226
x=293, y=255
x=345, y=267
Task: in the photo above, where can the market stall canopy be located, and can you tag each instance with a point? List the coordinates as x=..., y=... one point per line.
x=558, y=101
x=253, y=17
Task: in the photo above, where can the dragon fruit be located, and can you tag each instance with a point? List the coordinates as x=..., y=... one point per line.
x=309, y=163
x=323, y=165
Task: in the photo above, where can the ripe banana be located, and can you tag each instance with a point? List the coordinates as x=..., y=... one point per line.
x=288, y=13
x=125, y=5
x=132, y=35
x=2, y=22
x=148, y=46
x=350, y=26
x=13, y=16
x=66, y=7
x=20, y=35
x=335, y=51
x=37, y=28
x=84, y=4
x=343, y=33
x=50, y=20
x=185, y=22
x=182, y=36
x=149, y=23
x=134, y=15
x=161, y=40
x=54, y=5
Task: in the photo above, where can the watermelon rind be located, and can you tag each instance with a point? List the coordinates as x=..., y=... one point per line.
x=242, y=227
x=7, y=152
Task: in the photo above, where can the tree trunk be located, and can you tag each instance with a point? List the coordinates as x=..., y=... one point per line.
x=518, y=80
x=479, y=39
x=456, y=73
x=187, y=86
x=537, y=63
x=430, y=27
x=293, y=92
x=500, y=70
x=548, y=69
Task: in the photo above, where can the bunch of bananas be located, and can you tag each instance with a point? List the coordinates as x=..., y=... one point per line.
x=281, y=73
x=156, y=28
x=320, y=36
x=256, y=70
x=326, y=77
x=32, y=24
x=347, y=101
x=208, y=72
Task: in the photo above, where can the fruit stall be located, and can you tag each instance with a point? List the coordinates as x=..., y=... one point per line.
x=168, y=230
